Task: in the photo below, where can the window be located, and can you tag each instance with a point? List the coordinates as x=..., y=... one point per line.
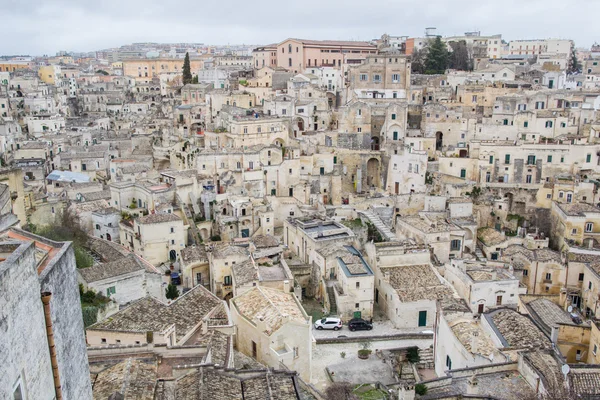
x=172, y=230
x=578, y=355
x=505, y=122
x=588, y=158
x=363, y=77
x=296, y=352
x=448, y=362
x=455, y=245
x=528, y=179
x=358, y=285
x=498, y=300
x=491, y=159
x=525, y=124
x=589, y=227
x=359, y=112
x=548, y=124
x=227, y=280
x=590, y=285
x=110, y=290
x=376, y=78
x=393, y=116
x=97, y=226
x=549, y=159
x=574, y=231
x=507, y=159
x=581, y=277
x=569, y=197
x=595, y=349
x=548, y=276
x=463, y=173
x=103, y=340
x=474, y=99
x=548, y=196
x=525, y=272
x=530, y=160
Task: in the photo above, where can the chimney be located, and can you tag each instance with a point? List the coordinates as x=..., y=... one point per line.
x=46, y=297
x=474, y=343
x=472, y=383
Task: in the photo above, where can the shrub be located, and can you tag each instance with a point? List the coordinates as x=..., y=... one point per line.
x=412, y=355
x=343, y=354
x=420, y=389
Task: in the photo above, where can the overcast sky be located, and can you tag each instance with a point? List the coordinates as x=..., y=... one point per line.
x=38, y=27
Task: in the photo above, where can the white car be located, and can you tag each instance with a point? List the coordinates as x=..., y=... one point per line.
x=329, y=323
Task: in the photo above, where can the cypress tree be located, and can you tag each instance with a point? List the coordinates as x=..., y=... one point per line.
x=187, y=73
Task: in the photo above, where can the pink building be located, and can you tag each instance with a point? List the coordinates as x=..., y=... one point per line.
x=297, y=54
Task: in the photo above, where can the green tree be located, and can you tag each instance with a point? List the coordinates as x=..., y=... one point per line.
x=417, y=60
x=459, y=57
x=574, y=64
x=436, y=60
x=195, y=79
x=187, y=72
x=171, y=292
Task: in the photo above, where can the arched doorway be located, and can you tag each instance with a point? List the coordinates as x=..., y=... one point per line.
x=300, y=124
x=373, y=172
x=374, y=143
x=463, y=153
x=173, y=255
x=108, y=237
x=439, y=140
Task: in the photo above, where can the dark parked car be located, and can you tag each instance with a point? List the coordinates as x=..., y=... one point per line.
x=359, y=324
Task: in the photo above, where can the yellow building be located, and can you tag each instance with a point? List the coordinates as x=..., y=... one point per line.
x=12, y=66
x=149, y=68
x=49, y=73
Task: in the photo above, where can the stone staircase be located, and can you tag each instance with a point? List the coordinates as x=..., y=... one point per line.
x=479, y=254
x=385, y=231
x=426, y=358
x=332, y=302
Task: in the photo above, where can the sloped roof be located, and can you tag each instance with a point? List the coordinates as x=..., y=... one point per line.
x=149, y=314
x=122, y=266
x=271, y=306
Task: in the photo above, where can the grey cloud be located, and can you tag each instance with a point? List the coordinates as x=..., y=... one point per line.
x=44, y=27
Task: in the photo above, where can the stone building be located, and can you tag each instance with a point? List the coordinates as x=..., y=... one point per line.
x=274, y=329
x=43, y=304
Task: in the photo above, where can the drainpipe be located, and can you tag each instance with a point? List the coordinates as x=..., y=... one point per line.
x=46, y=296
x=535, y=277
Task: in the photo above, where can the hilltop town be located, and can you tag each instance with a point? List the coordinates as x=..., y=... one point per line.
x=400, y=218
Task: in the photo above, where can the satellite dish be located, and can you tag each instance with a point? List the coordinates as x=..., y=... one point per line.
x=565, y=369
x=570, y=309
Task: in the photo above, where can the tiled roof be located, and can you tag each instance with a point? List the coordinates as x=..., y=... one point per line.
x=193, y=254
x=108, y=251
x=269, y=306
x=416, y=282
x=468, y=332
x=244, y=272
x=158, y=218
x=228, y=250
x=132, y=378
x=149, y=314
x=585, y=381
x=547, y=314
x=490, y=236
x=212, y=383
x=516, y=330
x=122, y=266
x=262, y=241
x=577, y=209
